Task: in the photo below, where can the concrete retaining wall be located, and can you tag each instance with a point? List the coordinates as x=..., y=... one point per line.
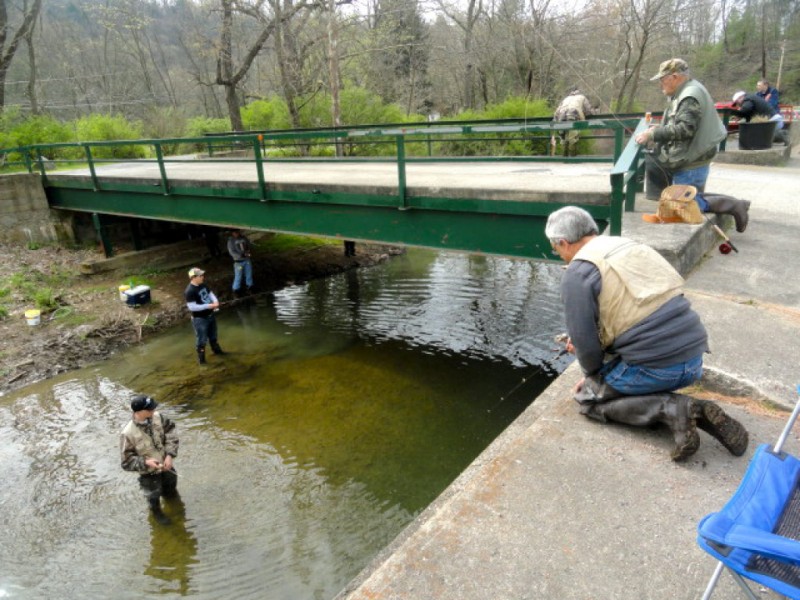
x=25, y=216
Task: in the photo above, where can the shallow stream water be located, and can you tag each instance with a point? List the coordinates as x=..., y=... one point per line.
x=344, y=407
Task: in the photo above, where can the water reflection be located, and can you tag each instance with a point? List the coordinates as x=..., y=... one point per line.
x=344, y=407
x=173, y=549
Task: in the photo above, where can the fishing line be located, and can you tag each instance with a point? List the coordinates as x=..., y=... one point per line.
x=537, y=370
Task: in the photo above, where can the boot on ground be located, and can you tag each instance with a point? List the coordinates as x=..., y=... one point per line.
x=716, y=422
x=201, y=356
x=215, y=348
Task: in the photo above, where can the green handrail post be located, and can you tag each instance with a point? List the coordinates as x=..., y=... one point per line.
x=618, y=139
x=262, y=184
x=615, y=209
x=401, y=172
x=95, y=183
x=162, y=169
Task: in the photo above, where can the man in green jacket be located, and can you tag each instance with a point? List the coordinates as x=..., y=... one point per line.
x=149, y=445
x=684, y=144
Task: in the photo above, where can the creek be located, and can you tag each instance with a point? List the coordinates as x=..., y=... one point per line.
x=343, y=408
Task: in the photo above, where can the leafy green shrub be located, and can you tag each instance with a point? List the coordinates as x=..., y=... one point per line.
x=197, y=127
x=40, y=129
x=45, y=298
x=3, y=312
x=100, y=128
x=200, y=126
x=266, y=114
x=519, y=107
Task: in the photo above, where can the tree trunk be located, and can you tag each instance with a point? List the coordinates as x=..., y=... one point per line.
x=7, y=52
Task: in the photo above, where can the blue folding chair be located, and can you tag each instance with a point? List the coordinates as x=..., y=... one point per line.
x=756, y=535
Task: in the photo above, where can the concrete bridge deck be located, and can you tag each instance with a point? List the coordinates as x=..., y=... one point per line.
x=587, y=183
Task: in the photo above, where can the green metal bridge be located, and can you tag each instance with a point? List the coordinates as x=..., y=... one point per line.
x=392, y=184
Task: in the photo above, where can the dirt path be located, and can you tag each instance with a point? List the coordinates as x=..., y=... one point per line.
x=86, y=321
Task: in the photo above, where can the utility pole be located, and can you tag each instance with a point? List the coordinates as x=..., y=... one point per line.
x=780, y=66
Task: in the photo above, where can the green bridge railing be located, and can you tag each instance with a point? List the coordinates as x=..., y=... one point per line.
x=400, y=145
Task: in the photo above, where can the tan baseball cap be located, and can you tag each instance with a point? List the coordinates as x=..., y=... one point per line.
x=668, y=67
x=195, y=272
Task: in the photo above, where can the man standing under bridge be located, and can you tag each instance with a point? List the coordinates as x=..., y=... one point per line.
x=623, y=300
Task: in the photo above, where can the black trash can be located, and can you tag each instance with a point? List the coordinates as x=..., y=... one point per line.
x=756, y=136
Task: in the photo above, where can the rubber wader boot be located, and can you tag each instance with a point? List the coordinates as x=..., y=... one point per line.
x=672, y=410
x=595, y=390
x=201, y=355
x=216, y=349
x=717, y=423
x=728, y=205
x=158, y=514
x=655, y=178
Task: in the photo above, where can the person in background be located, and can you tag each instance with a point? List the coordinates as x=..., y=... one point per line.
x=635, y=335
x=239, y=248
x=767, y=93
x=149, y=446
x=683, y=145
x=575, y=107
x=747, y=106
x=202, y=304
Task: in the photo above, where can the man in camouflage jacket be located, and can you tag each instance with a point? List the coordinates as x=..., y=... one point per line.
x=148, y=446
x=685, y=142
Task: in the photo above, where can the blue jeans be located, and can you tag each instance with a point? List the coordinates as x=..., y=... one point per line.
x=239, y=267
x=696, y=177
x=637, y=380
x=205, y=330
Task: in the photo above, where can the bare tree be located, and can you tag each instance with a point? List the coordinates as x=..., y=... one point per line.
x=229, y=75
x=8, y=48
x=466, y=21
x=639, y=21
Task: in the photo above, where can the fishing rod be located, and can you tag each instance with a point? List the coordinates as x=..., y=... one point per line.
x=561, y=338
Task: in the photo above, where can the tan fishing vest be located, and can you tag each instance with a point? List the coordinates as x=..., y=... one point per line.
x=636, y=281
x=146, y=446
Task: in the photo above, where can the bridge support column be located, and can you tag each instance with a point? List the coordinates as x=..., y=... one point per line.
x=108, y=249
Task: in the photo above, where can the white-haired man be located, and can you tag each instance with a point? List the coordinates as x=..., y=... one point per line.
x=623, y=300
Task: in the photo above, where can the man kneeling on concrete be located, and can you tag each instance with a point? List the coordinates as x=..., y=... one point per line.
x=624, y=300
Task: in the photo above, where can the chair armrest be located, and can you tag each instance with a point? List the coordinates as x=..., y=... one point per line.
x=763, y=542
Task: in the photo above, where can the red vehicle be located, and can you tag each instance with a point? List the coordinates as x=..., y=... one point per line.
x=787, y=110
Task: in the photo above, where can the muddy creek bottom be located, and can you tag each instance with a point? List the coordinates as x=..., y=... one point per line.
x=340, y=411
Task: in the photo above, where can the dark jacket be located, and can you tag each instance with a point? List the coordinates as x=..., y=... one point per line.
x=770, y=96
x=753, y=105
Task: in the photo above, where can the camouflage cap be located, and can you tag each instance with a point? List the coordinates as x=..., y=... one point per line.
x=668, y=67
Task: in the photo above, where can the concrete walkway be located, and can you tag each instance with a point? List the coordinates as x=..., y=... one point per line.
x=562, y=507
